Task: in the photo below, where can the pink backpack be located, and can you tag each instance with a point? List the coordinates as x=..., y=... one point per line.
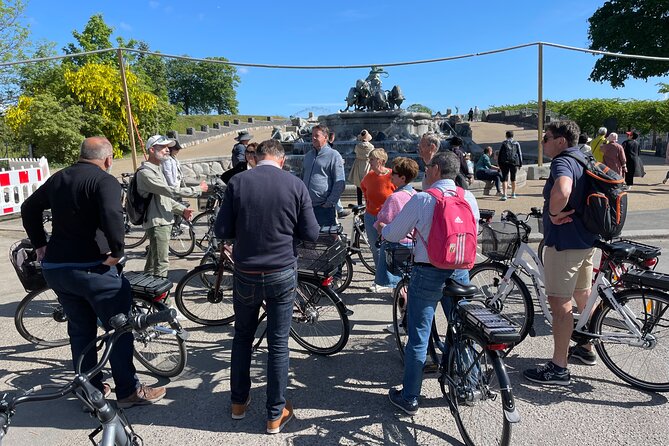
x=451, y=243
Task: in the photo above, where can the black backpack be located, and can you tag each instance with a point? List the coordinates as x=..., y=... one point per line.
x=507, y=154
x=605, y=206
x=136, y=206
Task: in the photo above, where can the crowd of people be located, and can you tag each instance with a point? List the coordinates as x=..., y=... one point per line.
x=79, y=261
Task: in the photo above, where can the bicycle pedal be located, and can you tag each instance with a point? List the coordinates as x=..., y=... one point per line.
x=349, y=312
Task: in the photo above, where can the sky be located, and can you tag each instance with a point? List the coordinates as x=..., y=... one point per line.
x=363, y=32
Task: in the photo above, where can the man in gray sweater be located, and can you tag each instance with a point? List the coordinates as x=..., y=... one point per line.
x=324, y=176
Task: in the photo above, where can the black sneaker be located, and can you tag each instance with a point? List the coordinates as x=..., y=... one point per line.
x=549, y=374
x=584, y=355
x=398, y=401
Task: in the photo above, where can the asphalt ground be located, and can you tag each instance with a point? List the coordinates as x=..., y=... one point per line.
x=338, y=400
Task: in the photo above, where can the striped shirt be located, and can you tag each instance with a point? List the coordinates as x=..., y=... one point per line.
x=417, y=213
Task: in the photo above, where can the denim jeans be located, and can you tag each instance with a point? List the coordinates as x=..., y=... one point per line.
x=425, y=291
x=383, y=277
x=277, y=289
x=325, y=216
x=87, y=295
x=157, y=259
x=372, y=236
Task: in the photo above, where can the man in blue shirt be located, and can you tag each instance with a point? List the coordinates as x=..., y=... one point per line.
x=264, y=210
x=324, y=176
x=427, y=281
x=568, y=253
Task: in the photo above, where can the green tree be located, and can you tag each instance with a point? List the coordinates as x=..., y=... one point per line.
x=13, y=41
x=419, y=108
x=200, y=87
x=630, y=27
x=95, y=36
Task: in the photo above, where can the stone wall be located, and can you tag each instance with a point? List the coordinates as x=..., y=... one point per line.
x=206, y=133
x=524, y=118
x=204, y=169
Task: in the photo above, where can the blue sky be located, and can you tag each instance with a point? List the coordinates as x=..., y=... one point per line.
x=361, y=32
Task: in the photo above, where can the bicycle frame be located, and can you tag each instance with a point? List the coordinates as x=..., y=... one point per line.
x=601, y=287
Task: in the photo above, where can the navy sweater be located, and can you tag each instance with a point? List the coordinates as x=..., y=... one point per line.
x=265, y=210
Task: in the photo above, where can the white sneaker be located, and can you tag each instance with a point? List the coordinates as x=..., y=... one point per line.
x=378, y=289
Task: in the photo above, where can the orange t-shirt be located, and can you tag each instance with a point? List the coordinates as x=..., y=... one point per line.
x=376, y=189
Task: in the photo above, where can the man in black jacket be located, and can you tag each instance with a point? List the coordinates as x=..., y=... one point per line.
x=79, y=262
x=264, y=210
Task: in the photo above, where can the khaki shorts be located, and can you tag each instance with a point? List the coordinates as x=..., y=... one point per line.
x=567, y=271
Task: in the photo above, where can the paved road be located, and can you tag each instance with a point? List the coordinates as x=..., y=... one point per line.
x=339, y=400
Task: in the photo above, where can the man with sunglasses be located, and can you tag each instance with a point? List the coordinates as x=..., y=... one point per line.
x=568, y=253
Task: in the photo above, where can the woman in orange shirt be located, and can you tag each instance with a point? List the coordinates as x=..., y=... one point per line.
x=376, y=187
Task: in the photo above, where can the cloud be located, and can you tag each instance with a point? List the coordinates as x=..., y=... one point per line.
x=124, y=26
x=242, y=70
x=154, y=4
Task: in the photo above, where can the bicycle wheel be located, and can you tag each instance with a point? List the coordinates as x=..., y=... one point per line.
x=182, y=239
x=201, y=225
x=320, y=323
x=399, y=315
x=343, y=279
x=645, y=367
x=163, y=354
x=134, y=235
x=474, y=392
x=515, y=304
x=198, y=301
x=364, y=251
x=40, y=319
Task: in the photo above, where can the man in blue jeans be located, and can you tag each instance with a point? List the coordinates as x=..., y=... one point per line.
x=264, y=210
x=80, y=262
x=427, y=281
x=324, y=176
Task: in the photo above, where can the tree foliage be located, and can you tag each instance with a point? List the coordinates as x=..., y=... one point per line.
x=630, y=27
x=96, y=35
x=200, y=87
x=419, y=108
x=13, y=40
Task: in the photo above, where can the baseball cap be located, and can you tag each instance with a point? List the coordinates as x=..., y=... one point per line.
x=159, y=140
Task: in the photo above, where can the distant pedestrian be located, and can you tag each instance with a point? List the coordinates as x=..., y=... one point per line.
x=264, y=210
x=324, y=176
x=361, y=162
x=243, y=139
x=510, y=159
x=470, y=114
x=583, y=141
x=596, y=144
x=634, y=164
x=614, y=154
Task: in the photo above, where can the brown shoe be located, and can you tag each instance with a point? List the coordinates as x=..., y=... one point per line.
x=275, y=426
x=239, y=410
x=142, y=396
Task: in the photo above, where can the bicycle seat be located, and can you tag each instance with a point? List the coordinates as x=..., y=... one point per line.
x=616, y=250
x=454, y=288
x=486, y=214
x=358, y=209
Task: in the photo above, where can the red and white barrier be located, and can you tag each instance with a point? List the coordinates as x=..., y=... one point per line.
x=23, y=178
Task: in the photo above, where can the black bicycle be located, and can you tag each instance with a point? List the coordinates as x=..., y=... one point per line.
x=360, y=241
x=115, y=429
x=472, y=374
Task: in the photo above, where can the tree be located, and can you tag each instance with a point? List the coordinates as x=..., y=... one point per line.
x=200, y=87
x=13, y=39
x=630, y=27
x=419, y=108
x=95, y=36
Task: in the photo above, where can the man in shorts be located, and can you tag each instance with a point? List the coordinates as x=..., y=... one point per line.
x=568, y=253
x=509, y=159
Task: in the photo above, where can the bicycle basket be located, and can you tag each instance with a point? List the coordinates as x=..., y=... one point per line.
x=499, y=240
x=323, y=257
x=399, y=259
x=24, y=260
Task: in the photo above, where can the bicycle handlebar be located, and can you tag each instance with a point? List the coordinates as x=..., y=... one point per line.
x=144, y=321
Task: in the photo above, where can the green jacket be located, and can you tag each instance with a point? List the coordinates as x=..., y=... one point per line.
x=163, y=206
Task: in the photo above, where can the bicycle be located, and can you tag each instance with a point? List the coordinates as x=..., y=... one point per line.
x=41, y=320
x=472, y=374
x=320, y=318
x=115, y=428
x=203, y=223
x=360, y=241
x=626, y=309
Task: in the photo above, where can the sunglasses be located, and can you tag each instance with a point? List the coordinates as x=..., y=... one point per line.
x=251, y=152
